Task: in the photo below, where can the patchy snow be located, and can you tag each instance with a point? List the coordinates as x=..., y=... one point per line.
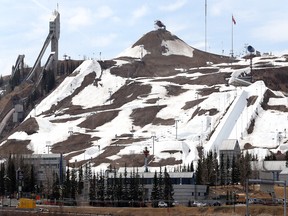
x=134, y=52
x=231, y=119
x=177, y=47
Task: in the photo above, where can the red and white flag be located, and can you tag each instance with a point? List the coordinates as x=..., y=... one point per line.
x=233, y=20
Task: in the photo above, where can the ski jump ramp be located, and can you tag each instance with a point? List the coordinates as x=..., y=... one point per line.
x=238, y=117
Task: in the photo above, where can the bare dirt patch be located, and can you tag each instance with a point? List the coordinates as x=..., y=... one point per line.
x=108, y=151
x=165, y=162
x=208, y=91
x=75, y=142
x=30, y=126
x=251, y=100
x=210, y=112
x=98, y=119
x=274, y=78
x=146, y=115
x=159, y=121
x=191, y=104
x=129, y=92
x=173, y=90
x=13, y=146
x=267, y=95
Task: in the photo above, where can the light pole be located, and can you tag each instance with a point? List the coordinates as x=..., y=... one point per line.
x=153, y=136
x=48, y=145
x=110, y=93
x=176, y=126
x=234, y=200
x=70, y=131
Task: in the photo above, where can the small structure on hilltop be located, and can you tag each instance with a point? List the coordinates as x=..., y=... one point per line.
x=159, y=25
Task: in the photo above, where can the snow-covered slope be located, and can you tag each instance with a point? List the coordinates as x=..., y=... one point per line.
x=109, y=116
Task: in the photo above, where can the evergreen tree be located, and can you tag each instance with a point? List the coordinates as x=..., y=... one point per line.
x=2, y=179
x=286, y=158
x=155, y=191
x=209, y=168
x=1, y=81
x=125, y=188
x=119, y=189
x=133, y=188
x=67, y=184
x=73, y=183
x=101, y=189
x=10, y=177
x=55, y=187
x=204, y=171
x=32, y=182
x=215, y=168
x=168, y=188
x=235, y=170
x=80, y=180
x=161, y=184
x=245, y=168
x=199, y=172
x=92, y=190
x=222, y=170
x=192, y=167
x=228, y=170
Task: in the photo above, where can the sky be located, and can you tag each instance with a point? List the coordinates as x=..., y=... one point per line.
x=91, y=27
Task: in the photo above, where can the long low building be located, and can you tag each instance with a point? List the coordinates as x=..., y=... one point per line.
x=184, y=186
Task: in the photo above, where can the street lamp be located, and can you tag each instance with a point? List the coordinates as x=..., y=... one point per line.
x=153, y=136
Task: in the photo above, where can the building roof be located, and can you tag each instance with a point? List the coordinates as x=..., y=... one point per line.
x=284, y=171
x=229, y=144
x=268, y=165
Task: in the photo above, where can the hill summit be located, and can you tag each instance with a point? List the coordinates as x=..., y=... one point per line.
x=161, y=52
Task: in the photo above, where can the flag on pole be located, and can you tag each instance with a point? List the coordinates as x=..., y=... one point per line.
x=233, y=20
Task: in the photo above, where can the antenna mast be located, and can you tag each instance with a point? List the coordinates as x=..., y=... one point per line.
x=205, y=25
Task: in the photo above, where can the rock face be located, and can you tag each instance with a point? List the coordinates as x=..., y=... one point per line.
x=160, y=93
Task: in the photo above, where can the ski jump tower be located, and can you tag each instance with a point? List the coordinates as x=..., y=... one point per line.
x=51, y=63
x=54, y=27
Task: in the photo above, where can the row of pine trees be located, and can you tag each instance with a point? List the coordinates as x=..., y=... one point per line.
x=211, y=172
x=101, y=189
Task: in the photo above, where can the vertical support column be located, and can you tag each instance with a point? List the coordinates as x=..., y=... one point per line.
x=247, y=203
x=285, y=197
x=55, y=29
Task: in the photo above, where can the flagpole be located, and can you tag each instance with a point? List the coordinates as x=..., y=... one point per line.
x=232, y=23
x=205, y=25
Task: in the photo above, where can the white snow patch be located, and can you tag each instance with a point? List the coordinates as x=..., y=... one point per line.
x=177, y=47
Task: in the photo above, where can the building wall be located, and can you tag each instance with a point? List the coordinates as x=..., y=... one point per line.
x=183, y=193
x=45, y=165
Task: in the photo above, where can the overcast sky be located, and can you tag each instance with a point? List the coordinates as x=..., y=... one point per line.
x=92, y=26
